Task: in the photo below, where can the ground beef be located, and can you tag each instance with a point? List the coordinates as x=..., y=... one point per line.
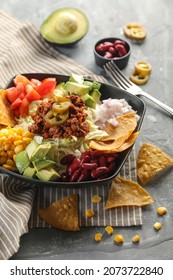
x=74, y=126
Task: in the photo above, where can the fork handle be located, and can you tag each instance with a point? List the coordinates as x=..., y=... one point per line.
x=162, y=105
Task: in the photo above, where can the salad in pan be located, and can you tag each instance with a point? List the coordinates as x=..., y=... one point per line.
x=63, y=131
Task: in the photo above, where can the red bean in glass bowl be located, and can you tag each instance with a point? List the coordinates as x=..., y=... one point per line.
x=115, y=49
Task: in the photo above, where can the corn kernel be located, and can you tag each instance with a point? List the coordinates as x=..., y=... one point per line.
x=14, y=157
x=98, y=237
x=3, y=160
x=27, y=134
x=27, y=139
x=11, y=162
x=3, y=154
x=18, y=149
x=19, y=131
x=7, y=147
x=109, y=229
x=8, y=167
x=96, y=198
x=18, y=142
x=118, y=238
x=89, y=213
x=18, y=137
x=10, y=154
x=136, y=238
x=157, y=226
x=161, y=210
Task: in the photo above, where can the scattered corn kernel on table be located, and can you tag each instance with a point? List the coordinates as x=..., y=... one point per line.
x=157, y=127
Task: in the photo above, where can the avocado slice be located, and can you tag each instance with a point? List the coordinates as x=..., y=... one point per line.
x=42, y=163
x=48, y=174
x=30, y=149
x=29, y=172
x=40, y=151
x=76, y=78
x=22, y=161
x=65, y=26
x=95, y=94
x=76, y=88
x=89, y=101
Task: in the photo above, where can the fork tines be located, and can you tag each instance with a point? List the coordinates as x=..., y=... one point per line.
x=117, y=76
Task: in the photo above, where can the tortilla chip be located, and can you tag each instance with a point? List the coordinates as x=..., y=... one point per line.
x=150, y=161
x=130, y=141
x=6, y=116
x=110, y=146
x=118, y=135
x=62, y=214
x=124, y=192
x=126, y=125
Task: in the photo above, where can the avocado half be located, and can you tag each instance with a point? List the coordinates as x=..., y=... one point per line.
x=65, y=26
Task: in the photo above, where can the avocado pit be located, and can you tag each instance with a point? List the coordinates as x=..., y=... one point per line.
x=66, y=23
x=65, y=26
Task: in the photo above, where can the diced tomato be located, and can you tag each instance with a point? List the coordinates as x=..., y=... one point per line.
x=16, y=112
x=12, y=94
x=24, y=108
x=47, y=86
x=21, y=96
x=32, y=94
x=20, y=87
x=35, y=83
x=21, y=79
x=49, y=79
x=16, y=103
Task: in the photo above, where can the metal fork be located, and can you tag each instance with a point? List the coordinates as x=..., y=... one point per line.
x=122, y=82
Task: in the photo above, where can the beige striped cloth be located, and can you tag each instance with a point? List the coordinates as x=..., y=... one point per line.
x=23, y=50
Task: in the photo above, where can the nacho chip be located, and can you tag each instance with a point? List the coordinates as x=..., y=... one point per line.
x=117, y=136
x=124, y=192
x=110, y=146
x=6, y=116
x=151, y=160
x=130, y=141
x=126, y=125
x=62, y=214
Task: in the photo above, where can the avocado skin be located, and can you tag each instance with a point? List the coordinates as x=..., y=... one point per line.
x=49, y=33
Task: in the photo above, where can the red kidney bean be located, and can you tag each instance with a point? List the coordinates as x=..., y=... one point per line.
x=85, y=158
x=75, y=175
x=119, y=42
x=121, y=50
x=74, y=165
x=104, y=46
x=102, y=160
x=64, y=177
x=110, y=159
x=99, y=171
x=99, y=47
x=112, y=50
x=89, y=166
x=94, y=160
x=67, y=159
x=111, y=167
x=108, y=55
x=85, y=153
x=84, y=176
